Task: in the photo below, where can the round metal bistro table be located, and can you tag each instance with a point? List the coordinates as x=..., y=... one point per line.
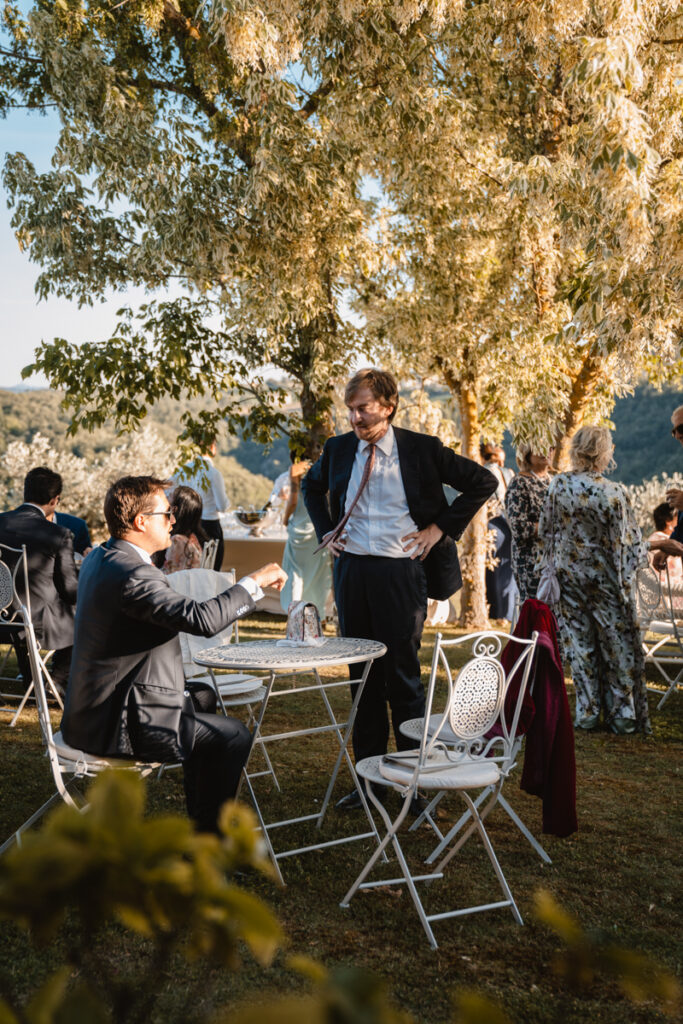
x=277, y=662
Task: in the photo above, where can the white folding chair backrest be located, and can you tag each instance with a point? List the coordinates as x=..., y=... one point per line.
x=476, y=696
x=208, y=554
x=673, y=598
x=13, y=564
x=648, y=594
x=38, y=673
x=200, y=584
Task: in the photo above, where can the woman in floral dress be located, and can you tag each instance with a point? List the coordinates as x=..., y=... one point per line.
x=187, y=536
x=523, y=503
x=590, y=532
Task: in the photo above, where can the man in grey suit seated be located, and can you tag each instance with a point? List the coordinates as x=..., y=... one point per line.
x=126, y=695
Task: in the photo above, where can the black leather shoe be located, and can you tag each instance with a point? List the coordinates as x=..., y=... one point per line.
x=418, y=805
x=350, y=802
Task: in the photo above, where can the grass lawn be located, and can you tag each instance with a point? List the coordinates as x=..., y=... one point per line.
x=619, y=874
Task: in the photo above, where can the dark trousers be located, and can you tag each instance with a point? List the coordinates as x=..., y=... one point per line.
x=214, y=531
x=212, y=771
x=384, y=599
x=59, y=669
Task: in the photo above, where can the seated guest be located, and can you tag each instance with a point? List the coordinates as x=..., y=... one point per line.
x=126, y=694
x=665, y=519
x=79, y=529
x=187, y=535
x=52, y=576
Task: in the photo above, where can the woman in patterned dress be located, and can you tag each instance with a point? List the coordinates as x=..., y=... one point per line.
x=523, y=503
x=590, y=532
x=187, y=536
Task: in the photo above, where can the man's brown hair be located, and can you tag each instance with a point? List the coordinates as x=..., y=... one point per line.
x=127, y=498
x=380, y=383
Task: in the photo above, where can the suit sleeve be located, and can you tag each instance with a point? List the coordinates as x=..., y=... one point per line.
x=314, y=488
x=475, y=483
x=147, y=596
x=65, y=573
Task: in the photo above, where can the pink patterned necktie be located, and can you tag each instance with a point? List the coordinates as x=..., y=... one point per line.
x=367, y=470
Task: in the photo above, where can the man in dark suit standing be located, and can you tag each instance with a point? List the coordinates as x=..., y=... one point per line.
x=79, y=529
x=126, y=693
x=396, y=547
x=52, y=576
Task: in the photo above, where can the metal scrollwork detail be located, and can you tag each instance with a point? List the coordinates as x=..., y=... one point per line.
x=6, y=589
x=475, y=698
x=487, y=646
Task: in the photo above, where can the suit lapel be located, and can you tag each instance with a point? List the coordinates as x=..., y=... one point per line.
x=342, y=473
x=410, y=467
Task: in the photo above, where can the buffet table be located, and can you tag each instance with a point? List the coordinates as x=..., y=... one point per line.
x=244, y=552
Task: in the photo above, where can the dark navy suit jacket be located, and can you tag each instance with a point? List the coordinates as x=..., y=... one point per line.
x=126, y=692
x=426, y=465
x=79, y=529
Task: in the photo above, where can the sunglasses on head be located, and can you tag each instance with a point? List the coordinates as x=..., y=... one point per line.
x=677, y=431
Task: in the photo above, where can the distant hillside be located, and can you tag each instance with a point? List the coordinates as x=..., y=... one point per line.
x=644, y=446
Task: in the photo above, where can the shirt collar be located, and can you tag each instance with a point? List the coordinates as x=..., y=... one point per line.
x=385, y=443
x=144, y=555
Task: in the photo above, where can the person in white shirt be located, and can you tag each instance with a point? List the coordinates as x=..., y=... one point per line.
x=209, y=485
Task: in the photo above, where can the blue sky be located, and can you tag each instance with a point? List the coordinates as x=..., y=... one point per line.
x=26, y=321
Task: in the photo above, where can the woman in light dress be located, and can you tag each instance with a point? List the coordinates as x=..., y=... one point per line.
x=309, y=576
x=187, y=535
x=523, y=504
x=589, y=530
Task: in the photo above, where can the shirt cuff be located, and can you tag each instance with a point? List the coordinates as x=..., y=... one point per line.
x=251, y=587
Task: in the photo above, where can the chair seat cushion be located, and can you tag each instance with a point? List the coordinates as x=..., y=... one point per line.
x=658, y=626
x=442, y=773
x=93, y=761
x=414, y=726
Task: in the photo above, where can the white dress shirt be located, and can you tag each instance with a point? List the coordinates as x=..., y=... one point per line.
x=381, y=516
x=209, y=484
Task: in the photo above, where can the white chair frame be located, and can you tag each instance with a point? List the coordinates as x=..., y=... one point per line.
x=661, y=630
x=476, y=701
x=68, y=765
x=208, y=554
x=10, y=599
x=660, y=614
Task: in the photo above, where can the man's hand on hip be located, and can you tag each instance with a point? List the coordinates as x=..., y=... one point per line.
x=420, y=543
x=336, y=547
x=674, y=496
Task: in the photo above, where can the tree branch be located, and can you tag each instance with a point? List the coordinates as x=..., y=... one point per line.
x=20, y=56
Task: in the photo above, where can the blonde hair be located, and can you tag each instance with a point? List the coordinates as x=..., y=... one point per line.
x=591, y=450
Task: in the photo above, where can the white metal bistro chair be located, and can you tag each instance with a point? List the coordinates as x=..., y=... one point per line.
x=235, y=689
x=14, y=571
x=414, y=729
x=208, y=554
x=476, y=702
x=660, y=615
x=68, y=765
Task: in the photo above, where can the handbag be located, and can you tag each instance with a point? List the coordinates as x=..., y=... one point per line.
x=548, y=589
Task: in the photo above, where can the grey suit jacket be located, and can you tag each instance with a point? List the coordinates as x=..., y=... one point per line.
x=426, y=465
x=52, y=575
x=126, y=692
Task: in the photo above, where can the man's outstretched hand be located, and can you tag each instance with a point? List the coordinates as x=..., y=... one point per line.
x=271, y=575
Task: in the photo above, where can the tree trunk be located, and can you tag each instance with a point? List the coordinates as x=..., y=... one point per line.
x=472, y=547
x=583, y=389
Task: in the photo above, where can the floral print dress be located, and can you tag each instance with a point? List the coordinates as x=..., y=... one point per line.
x=184, y=553
x=589, y=529
x=523, y=503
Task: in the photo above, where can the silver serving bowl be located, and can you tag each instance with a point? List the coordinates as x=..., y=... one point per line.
x=256, y=518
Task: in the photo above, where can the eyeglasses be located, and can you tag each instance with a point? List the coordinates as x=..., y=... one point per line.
x=677, y=431
x=167, y=512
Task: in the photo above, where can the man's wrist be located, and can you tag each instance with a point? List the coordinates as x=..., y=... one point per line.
x=252, y=588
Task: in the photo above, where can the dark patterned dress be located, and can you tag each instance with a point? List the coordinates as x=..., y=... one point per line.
x=523, y=503
x=589, y=528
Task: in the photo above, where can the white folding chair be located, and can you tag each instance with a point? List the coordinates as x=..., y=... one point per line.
x=208, y=554
x=414, y=729
x=15, y=570
x=660, y=616
x=476, y=702
x=68, y=765
x=235, y=689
